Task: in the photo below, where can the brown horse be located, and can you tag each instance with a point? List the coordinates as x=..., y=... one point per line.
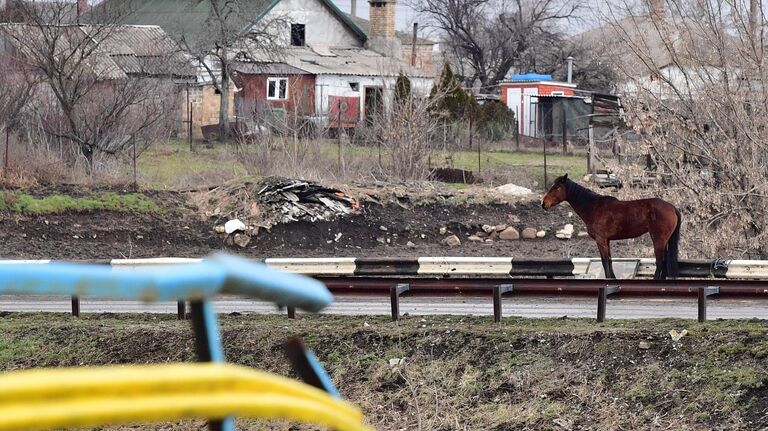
x=608, y=218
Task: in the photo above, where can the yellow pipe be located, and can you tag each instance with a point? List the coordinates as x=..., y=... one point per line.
x=115, y=411
x=75, y=392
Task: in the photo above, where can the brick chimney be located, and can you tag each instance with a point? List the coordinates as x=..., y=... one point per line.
x=656, y=9
x=381, y=37
x=382, y=17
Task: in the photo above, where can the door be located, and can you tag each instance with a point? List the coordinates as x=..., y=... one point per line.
x=513, y=102
x=530, y=102
x=374, y=103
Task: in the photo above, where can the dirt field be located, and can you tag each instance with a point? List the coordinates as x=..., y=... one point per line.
x=458, y=373
x=181, y=231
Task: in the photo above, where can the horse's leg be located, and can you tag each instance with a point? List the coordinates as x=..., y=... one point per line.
x=660, y=240
x=605, y=256
x=661, y=270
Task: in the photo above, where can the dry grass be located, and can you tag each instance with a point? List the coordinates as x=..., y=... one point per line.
x=459, y=373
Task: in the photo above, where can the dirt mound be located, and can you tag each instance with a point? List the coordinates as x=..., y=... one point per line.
x=458, y=373
x=394, y=223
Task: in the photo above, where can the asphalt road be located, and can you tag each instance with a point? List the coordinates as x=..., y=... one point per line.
x=524, y=306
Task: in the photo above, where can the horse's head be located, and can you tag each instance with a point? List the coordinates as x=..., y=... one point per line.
x=556, y=193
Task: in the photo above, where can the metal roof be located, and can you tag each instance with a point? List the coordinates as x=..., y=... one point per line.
x=268, y=69
x=346, y=61
x=121, y=51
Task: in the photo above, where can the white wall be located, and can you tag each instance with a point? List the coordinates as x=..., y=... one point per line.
x=322, y=26
x=338, y=85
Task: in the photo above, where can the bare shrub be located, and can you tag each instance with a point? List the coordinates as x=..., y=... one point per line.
x=697, y=98
x=405, y=134
x=80, y=96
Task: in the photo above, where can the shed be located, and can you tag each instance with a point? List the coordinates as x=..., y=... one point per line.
x=521, y=93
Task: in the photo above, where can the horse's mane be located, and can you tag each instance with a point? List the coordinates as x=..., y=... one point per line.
x=578, y=194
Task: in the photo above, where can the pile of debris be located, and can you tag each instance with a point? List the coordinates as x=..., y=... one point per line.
x=295, y=200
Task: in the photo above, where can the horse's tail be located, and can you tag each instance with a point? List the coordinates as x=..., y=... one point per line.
x=671, y=254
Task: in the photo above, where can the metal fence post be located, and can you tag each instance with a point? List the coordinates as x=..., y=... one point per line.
x=75, y=306
x=394, y=296
x=602, y=300
x=499, y=290
x=705, y=292
x=181, y=310
x=291, y=312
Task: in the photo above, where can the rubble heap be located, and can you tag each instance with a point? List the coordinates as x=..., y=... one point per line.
x=296, y=200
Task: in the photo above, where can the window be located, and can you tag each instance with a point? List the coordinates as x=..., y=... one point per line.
x=298, y=34
x=558, y=93
x=354, y=86
x=277, y=88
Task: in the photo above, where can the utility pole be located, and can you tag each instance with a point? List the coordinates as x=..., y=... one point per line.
x=413, y=45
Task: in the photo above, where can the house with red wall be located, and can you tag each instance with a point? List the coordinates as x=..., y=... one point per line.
x=272, y=91
x=521, y=94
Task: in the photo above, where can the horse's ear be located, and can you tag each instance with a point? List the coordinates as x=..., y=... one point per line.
x=565, y=177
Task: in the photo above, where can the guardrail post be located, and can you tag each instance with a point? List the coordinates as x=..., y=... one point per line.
x=499, y=290
x=705, y=292
x=602, y=300
x=291, y=312
x=394, y=296
x=75, y=306
x=181, y=310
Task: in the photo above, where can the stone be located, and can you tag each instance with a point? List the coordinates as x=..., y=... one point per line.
x=410, y=244
x=452, y=241
x=488, y=228
x=242, y=239
x=475, y=238
x=396, y=361
x=582, y=234
x=644, y=345
x=541, y=234
x=481, y=234
x=443, y=230
x=513, y=218
x=529, y=233
x=499, y=227
x=219, y=228
x=233, y=226
x=383, y=228
x=566, y=232
x=509, y=233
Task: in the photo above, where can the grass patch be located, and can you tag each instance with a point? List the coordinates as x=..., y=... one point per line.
x=173, y=165
x=458, y=372
x=23, y=203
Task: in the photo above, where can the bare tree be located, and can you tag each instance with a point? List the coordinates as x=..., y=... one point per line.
x=83, y=97
x=696, y=93
x=492, y=36
x=18, y=88
x=230, y=32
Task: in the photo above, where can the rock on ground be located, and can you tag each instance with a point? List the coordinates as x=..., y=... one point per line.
x=509, y=233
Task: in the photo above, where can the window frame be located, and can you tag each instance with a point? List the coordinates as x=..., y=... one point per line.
x=304, y=38
x=277, y=80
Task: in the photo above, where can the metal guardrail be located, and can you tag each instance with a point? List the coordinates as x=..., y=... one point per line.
x=465, y=266
x=495, y=276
